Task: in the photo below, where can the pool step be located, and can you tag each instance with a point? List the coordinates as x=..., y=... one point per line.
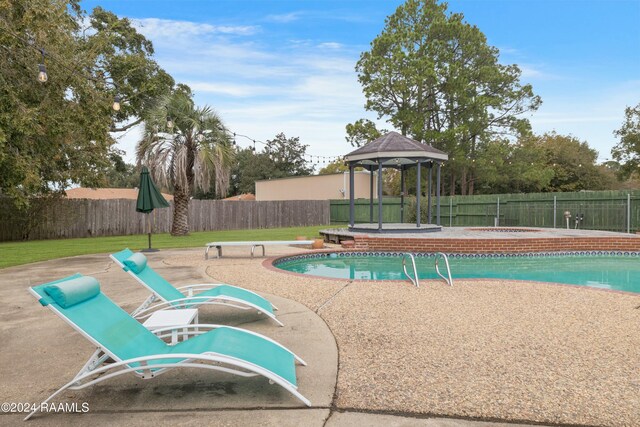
x=348, y=244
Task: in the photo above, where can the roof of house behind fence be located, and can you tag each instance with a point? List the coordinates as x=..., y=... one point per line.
x=106, y=193
x=242, y=197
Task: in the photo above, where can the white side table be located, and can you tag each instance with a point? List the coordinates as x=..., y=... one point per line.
x=169, y=318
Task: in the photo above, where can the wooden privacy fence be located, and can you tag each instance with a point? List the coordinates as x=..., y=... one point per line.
x=67, y=218
x=600, y=210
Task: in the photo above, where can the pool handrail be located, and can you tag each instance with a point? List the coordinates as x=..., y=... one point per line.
x=446, y=262
x=416, y=282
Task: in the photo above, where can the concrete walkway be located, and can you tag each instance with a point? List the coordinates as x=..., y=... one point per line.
x=40, y=352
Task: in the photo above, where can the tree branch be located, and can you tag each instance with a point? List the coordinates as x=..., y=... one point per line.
x=126, y=127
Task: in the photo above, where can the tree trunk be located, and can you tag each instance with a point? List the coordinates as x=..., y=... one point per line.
x=452, y=190
x=443, y=187
x=463, y=182
x=180, y=225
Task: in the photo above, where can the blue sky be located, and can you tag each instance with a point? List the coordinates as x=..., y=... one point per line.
x=271, y=66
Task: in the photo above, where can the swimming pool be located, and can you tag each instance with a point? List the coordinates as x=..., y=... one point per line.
x=609, y=270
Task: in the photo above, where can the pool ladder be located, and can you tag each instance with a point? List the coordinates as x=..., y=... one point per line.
x=442, y=255
x=415, y=280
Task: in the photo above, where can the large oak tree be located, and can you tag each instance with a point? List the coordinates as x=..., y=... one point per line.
x=56, y=133
x=435, y=78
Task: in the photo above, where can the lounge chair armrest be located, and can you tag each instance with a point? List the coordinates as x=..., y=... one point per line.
x=191, y=289
x=167, y=305
x=206, y=286
x=200, y=286
x=143, y=314
x=177, y=304
x=201, y=328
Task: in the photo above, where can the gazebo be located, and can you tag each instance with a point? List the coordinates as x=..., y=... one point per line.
x=399, y=152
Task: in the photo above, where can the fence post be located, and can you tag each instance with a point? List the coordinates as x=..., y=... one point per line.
x=450, y=210
x=555, y=208
x=497, y=222
x=628, y=213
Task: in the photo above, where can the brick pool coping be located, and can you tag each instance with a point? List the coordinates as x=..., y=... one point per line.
x=484, y=240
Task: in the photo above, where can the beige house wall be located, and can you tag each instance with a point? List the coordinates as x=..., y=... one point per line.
x=315, y=187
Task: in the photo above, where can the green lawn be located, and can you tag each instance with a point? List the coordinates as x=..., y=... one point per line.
x=17, y=253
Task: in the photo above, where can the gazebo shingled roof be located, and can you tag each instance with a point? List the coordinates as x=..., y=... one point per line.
x=395, y=145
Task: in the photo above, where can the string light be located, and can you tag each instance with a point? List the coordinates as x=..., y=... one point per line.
x=310, y=158
x=43, y=77
x=116, y=102
x=42, y=74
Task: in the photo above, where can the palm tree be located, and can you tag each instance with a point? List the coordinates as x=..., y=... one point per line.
x=185, y=147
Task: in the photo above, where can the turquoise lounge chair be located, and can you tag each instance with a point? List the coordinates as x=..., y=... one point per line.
x=78, y=301
x=172, y=297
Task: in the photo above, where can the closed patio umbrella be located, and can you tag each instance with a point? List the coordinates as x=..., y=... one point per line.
x=149, y=198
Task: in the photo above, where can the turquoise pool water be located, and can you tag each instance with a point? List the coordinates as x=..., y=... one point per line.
x=620, y=271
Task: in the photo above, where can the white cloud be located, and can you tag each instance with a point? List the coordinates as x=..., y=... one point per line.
x=155, y=28
x=334, y=64
x=545, y=119
x=230, y=89
x=330, y=45
x=506, y=50
x=283, y=18
x=528, y=72
x=534, y=72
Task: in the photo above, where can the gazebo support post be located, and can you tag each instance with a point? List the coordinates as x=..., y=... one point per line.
x=402, y=193
x=351, y=199
x=438, y=194
x=370, y=194
x=429, y=190
x=418, y=191
x=379, y=194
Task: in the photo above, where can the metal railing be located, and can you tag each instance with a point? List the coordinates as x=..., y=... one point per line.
x=439, y=255
x=415, y=281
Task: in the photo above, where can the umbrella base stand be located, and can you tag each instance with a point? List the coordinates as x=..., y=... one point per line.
x=150, y=249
